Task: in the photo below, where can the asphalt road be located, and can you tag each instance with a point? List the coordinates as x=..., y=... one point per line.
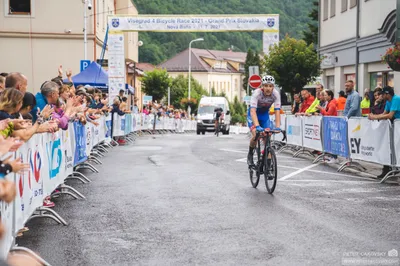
x=187, y=200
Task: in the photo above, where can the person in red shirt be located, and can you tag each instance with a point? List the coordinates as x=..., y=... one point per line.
x=331, y=108
x=308, y=99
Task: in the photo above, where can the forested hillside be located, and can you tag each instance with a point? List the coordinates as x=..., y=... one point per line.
x=160, y=46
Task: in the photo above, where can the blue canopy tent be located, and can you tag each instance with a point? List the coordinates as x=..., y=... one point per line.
x=94, y=75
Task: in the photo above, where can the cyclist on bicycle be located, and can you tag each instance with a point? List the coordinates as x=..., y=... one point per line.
x=258, y=114
x=217, y=113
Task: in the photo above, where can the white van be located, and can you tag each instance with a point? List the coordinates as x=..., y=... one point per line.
x=205, y=114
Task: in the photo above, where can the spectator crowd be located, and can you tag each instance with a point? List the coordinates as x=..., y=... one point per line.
x=23, y=114
x=379, y=104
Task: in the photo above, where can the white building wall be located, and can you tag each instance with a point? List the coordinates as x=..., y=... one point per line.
x=338, y=28
x=36, y=45
x=229, y=83
x=372, y=15
x=338, y=38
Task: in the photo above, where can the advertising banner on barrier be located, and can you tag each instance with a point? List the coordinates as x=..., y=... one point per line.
x=335, y=135
x=55, y=162
x=293, y=130
x=128, y=124
x=118, y=125
x=312, y=132
x=80, y=143
x=89, y=137
x=397, y=141
x=108, y=127
x=102, y=129
x=30, y=188
x=68, y=147
x=369, y=140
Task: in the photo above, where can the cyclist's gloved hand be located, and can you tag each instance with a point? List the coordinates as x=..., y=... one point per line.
x=259, y=129
x=277, y=129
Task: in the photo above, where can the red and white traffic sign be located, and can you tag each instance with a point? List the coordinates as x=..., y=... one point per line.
x=255, y=81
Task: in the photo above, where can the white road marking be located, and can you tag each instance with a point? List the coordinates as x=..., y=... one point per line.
x=328, y=181
x=278, y=155
x=244, y=160
x=298, y=171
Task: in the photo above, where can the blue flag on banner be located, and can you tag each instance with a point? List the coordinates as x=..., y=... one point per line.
x=80, y=143
x=335, y=136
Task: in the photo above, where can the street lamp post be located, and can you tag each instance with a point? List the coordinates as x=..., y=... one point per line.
x=190, y=65
x=86, y=4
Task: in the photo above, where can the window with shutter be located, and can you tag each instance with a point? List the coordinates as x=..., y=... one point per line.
x=345, y=4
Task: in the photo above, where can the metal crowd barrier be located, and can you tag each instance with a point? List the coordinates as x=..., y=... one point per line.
x=355, y=139
x=55, y=158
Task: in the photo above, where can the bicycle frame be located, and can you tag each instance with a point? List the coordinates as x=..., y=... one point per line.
x=266, y=138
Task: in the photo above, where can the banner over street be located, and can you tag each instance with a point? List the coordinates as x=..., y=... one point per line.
x=194, y=23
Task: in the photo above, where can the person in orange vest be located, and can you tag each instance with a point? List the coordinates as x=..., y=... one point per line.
x=341, y=101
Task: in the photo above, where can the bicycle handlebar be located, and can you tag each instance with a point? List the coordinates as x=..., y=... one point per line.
x=273, y=132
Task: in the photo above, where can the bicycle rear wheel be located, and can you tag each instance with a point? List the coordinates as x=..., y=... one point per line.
x=217, y=128
x=253, y=170
x=270, y=170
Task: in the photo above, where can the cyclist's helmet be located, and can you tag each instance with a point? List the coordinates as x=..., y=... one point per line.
x=268, y=80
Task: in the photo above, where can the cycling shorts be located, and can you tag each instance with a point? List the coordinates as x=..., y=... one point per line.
x=266, y=123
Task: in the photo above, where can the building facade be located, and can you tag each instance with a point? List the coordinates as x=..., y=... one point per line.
x=353, y=35
x=222, y=71
x=36, y=36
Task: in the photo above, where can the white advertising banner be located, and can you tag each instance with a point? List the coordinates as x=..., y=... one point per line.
x=68, y=147
x=293, y=130
x=30, y=192
x=194, y=23
x=89, y=138
x=54, y=162
x=270, y=38
x=369, y=140
x=116, y=64
x=312, y=132
x=397, y=141
x=118, y=125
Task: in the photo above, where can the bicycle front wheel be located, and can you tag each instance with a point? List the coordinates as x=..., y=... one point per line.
x=270, y=170
x=254, y=170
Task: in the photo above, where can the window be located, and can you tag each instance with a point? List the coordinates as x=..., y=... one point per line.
x=331, y=82
x=381, y=79
x=353, y=3
x=19, y=7
x=326, y=9
x=333, y=8
x=344, y=5
x=351, y=77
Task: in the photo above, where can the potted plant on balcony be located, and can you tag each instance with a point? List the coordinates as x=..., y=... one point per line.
x=392, y=57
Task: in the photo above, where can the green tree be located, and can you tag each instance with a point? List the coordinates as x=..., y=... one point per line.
x=311, y=34
x=179, y=91
x=293, y=64
x=156, y=83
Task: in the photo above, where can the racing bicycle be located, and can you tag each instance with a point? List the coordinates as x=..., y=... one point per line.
x=217, y=125
x=266, y=163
